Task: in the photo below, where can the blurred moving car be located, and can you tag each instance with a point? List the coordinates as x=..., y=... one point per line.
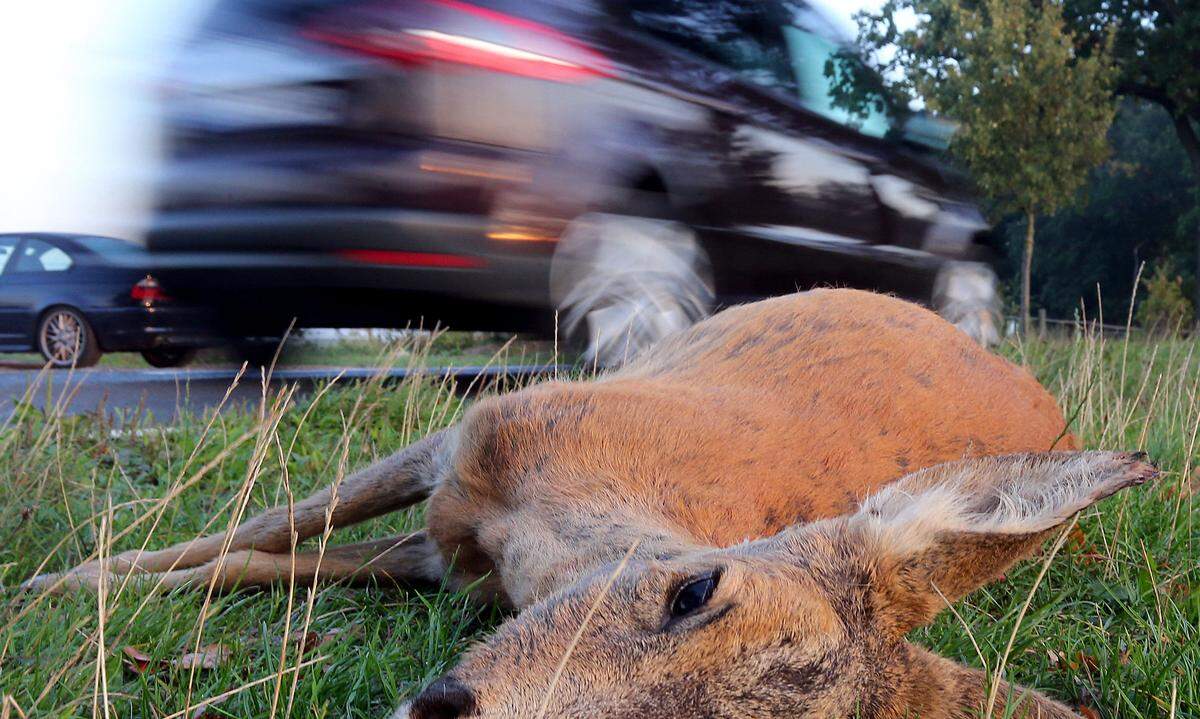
x=73, y=297
x=620, y=167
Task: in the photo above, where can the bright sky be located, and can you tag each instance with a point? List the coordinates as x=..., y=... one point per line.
x=78, y=131
x=77, y=135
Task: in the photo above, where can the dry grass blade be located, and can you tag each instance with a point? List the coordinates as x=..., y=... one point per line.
x=269, y=426
x=216, y=699
x=998, y=676
x=323, y=543
x=587, y=618
x=100, y=692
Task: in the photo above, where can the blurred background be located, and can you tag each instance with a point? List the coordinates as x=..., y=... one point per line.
x=202, y=173
x=82, y=136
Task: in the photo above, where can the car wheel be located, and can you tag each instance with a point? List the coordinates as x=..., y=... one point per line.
x=169, y=356
x=965, y=293
x=622, y=283
x=65, y=339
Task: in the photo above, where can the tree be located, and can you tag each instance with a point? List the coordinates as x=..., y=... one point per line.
x=1132, y=213
x=1156, y=47
x=1034, y=109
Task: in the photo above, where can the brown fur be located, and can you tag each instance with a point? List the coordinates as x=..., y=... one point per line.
x=745, y=445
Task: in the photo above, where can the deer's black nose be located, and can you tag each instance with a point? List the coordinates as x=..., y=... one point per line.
x=447, y=698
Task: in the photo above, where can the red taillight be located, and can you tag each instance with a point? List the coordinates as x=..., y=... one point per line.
x=432, y=31
x=412, y=259
x=147, y=291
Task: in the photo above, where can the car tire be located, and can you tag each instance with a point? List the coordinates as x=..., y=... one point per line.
x=621, y=283
x=65, y=338
x=967, y=295
x=167, y=357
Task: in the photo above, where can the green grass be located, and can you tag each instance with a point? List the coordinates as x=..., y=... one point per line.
x=1115, y=624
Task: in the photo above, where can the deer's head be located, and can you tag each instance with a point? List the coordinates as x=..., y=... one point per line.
x=808, y=623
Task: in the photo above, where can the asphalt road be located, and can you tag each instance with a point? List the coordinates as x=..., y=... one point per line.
x=164, y=394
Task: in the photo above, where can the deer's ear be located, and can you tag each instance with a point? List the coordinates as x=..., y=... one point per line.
x=949, y=529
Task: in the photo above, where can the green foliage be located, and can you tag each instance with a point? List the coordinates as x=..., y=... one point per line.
x=1165, y=309
x=1035, y=108
x=1133, y=211
x=1156, y=45
x=1034, y=111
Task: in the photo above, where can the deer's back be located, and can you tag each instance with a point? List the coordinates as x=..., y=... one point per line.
x=767, y=414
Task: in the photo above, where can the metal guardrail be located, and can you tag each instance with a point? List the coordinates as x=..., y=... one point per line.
x=1043, y=325
x=167, y=392
x=319, y=374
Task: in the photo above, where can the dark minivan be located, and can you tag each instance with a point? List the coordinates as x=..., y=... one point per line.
x=618, y=167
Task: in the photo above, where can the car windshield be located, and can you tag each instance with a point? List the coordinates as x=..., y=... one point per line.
x=814, y=44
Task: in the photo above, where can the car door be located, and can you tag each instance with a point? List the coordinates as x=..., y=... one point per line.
x=810, y=164
x=870, y=230
x=797, y=183
x=729, y=59
x=34, y=278
x=12, y=312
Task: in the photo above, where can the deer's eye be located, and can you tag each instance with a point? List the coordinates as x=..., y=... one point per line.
x=694, y=595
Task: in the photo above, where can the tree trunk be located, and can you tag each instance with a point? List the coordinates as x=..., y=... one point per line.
x=1026, y=272
x=1186, y=133
x=1196, y=279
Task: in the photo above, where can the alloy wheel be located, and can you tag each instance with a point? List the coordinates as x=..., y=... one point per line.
x=62, y=338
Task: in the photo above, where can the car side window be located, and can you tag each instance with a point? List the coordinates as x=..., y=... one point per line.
x=810, y=52
x=743, y=35
x=39, y=256
x=7, y=246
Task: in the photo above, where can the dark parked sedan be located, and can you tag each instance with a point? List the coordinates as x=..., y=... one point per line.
x=621, y=166
x=73, y=297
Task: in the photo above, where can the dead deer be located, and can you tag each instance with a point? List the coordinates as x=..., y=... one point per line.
x=743, y=522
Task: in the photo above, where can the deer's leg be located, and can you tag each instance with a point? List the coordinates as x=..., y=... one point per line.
x=403, y=479
x=407, y=559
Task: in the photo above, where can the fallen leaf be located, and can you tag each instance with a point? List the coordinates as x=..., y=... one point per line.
x=1076, y=539
x=209, y=657
x=1179, y=589
x=312, y=640
x=307, y=642
x=1056, y=657
x=203, y=711
x=1191, y=488
x=1088, y=712
x=1088, y=661
x=137, y=660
